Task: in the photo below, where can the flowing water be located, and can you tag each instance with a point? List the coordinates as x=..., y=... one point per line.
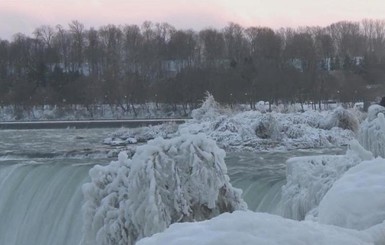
x=42, y=172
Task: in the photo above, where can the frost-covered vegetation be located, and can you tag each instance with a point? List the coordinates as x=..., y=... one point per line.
x=102, y=111
x=235, y=129
x=372, y=132
x=166, y=181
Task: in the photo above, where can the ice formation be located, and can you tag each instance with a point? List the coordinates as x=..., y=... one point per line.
x=357, y=199
x=141, y=134
x=248, y=227
x=167, y=181
x=372, y=131
x=254, y=130
x=257, y=130
x=310, y=178
x=209, y=110
x=341, y=118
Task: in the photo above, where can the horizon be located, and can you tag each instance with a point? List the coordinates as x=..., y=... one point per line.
x=24, y=16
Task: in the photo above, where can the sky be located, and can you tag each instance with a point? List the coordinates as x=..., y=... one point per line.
x=23, y=16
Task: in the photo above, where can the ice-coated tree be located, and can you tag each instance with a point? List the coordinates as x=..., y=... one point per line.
x=371, y=134
x=167, y=181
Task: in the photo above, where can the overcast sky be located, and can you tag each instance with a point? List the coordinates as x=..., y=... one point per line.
x=25, y=15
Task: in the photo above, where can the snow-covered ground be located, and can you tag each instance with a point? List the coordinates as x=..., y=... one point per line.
x=180, y=182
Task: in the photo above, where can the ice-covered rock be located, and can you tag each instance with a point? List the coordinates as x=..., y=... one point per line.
x=166, y=181
x=310, y=178
x=357, y=199
x=242, y=227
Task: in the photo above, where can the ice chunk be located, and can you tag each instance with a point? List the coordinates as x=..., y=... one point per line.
x=357, y=199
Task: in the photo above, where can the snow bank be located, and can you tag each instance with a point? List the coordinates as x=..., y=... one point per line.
x=248, y=227
x=309, y=179
x=167, y=181
x=372, y=131
x=357, y=199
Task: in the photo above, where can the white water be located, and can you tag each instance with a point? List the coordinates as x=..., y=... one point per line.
x=40, y=188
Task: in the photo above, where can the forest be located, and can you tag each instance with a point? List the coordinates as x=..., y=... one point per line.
x=155, y=62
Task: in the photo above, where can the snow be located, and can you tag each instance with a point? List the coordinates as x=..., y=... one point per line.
x=166, y=181
x=246, y=227
x=357, y=199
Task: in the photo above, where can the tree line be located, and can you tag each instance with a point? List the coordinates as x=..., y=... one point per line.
x=130, y=64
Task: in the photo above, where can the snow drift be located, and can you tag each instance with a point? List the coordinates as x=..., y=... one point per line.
x=166, y=181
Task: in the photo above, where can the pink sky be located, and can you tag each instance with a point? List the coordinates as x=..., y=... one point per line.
x=25, y=15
